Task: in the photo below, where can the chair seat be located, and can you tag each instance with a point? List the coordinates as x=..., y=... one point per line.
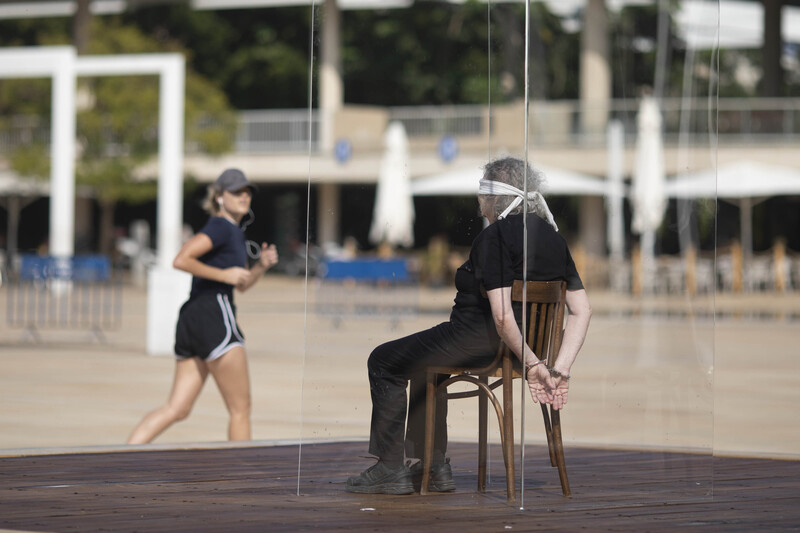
x=471, y=371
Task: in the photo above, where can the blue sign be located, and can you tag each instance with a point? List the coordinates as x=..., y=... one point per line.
x=343, y=150
x=448, y=148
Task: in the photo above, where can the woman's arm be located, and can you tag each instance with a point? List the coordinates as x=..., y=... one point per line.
x=188, y=261
x=579, y=312
x=540, y=383
x=267, y=259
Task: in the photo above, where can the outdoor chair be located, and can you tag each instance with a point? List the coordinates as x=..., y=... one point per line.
x=545, y=316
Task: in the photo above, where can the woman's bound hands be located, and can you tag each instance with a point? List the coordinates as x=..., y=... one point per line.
x=547, y=388
x=540, y=383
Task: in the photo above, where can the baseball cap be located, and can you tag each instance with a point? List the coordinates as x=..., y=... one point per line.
x=233, y=179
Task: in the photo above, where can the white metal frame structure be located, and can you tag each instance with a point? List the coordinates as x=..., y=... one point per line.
x=58, y=63
x=63, y=65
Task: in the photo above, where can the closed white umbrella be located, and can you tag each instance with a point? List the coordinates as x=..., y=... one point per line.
x=393, y=217
x=647, y=193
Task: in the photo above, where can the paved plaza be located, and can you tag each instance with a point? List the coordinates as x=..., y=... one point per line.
x=655, y=373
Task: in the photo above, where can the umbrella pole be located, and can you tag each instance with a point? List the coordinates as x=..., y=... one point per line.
x=746, y=228
x=648, y=260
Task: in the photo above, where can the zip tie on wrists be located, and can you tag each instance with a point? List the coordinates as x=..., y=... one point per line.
x=537, y=363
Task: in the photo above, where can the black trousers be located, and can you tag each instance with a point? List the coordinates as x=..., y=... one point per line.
x=392, y=365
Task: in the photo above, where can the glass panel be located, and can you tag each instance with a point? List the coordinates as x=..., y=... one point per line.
x=642, y=385
x=401, y=118
x=642, y=391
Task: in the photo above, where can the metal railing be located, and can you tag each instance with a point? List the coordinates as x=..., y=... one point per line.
x=552, y=123
x=440, y=120
x=732, y=119
x=273, y=130
x=67, y=293
x=23, y=130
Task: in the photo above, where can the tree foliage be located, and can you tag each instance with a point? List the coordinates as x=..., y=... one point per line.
x=433, y=53
x=439, y=53
x=257, y=57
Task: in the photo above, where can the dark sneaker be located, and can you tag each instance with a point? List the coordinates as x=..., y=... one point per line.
x=381, y=479
x=441, y=477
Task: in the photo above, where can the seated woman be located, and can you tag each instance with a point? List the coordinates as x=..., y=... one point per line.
x=473, y=333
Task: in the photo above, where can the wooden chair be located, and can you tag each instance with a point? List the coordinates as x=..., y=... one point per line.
x=546, y=300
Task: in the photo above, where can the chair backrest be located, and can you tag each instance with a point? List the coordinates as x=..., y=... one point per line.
x=545, y=301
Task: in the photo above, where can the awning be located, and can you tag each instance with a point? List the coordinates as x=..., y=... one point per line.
x=744, y=179
x=12, y=184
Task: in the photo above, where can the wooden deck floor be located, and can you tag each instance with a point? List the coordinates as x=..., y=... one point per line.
x=255, y=489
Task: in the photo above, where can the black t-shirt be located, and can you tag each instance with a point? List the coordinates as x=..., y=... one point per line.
x=228, y=249
x=496, y=260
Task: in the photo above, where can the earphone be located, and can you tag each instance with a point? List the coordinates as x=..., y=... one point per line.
x=219, y=201
x=253, y=249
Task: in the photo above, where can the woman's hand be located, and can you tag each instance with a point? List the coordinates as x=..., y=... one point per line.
x=560, y=392
x=540, y=384
x=236, y=276
x=269, y=255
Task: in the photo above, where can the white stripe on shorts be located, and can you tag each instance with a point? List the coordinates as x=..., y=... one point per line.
x=232, y=319
x=230, y=329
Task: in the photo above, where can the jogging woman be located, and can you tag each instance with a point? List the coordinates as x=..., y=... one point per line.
x=208, y=340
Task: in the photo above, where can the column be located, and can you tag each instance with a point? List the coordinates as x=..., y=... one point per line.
x=328, y=215
x=593, y=225
x=595, y=72
x=772, y=82
x=331, y=89
x=62, y=158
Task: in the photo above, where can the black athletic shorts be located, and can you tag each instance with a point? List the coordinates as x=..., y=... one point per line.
x=207, y=327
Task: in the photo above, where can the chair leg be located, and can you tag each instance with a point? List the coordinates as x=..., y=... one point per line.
x=430, y=415
x=548, y=431
x=483, y=406
x=559, y=453
x=508, y=428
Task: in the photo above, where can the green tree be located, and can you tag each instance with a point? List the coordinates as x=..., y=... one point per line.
x=438, y=53
x=431, y=53
x=258, y=57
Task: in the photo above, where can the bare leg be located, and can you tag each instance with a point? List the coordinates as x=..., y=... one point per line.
x=233, y=380
x=190, y=374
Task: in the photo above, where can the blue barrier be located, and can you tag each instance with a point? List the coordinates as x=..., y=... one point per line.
x=366, y=288
x=64, y=292
x=366, y=270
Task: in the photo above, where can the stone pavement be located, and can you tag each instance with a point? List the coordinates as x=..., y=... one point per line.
x=656, y=373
